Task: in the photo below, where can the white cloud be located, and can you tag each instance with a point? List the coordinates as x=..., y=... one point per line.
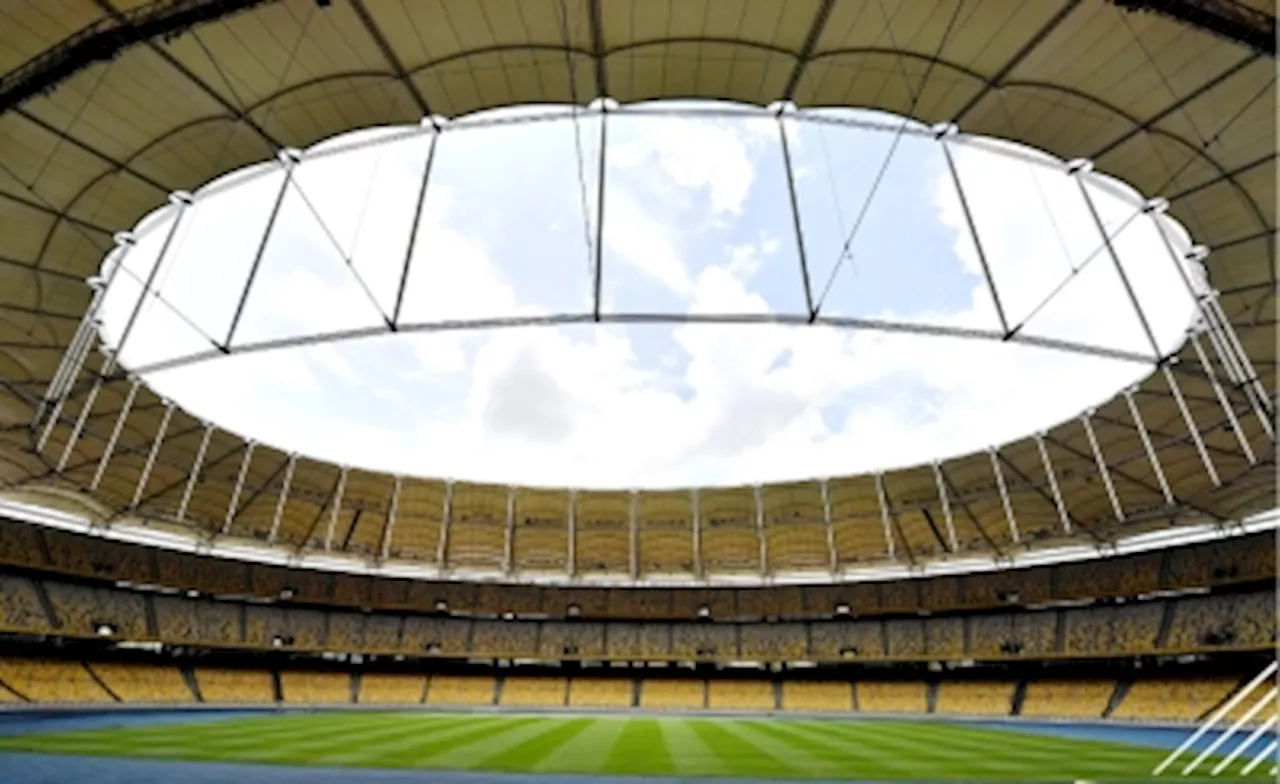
x=687, y=209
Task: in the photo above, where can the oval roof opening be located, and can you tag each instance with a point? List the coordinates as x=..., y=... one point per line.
x=657, y=295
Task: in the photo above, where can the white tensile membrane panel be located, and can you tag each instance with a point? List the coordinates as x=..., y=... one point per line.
x=816, y=292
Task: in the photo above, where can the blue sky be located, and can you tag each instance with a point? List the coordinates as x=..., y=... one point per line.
x=697, y=219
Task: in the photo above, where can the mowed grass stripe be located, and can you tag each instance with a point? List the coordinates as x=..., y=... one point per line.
x=986, y=754
x=640, y=749
x=499, y=738
x=133, y=740
x=587, y=751
x=739, y=758
x=689, y=755
x=904, y=748
x=157, y=731
x=526, y=754
x=410, y=746
x=288, y=742
x=847, y=757
x=319, y=745
x=1007, y=745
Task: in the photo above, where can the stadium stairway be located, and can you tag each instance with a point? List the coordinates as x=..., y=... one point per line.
x=1166, y=624
x=1019, y=695
x=101, y=683
x=189, y=677
x=1117, y=696
x=46, y=604
x=931, y=697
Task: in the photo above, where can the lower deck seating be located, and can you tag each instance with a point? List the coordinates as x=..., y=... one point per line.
x=673, y=694
x=379, y=689
x=534, y=692
x=892, y=697
x=1081, y=699
x=975, y=698
x=235, y=686
x=740, y=695
x=143, y=682
x=40, y=680
x=818, y=696
x=601, y=692
x=1174, y=699
x=459, y=690
x=315, y=688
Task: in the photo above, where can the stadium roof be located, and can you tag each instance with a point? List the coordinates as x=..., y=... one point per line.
x=111, y=105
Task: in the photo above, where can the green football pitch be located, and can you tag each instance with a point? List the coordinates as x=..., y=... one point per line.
x=657, y=746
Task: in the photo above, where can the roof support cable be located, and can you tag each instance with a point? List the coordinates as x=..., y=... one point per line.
x=78, y=429
x=1081, y=172
x=633, y=534
x=789, y=171
x=509, y=534
x=234, y=504
x=73, y=359
x=1266, y=89
x=601, y=174
x=760, y=530
x=288, y=160
x=1053, y=222
x=446, y=517
x=945, y=499
x=1049, y=473
x=150, y=465
x=573, y=534
x=1101, y=462
x=72, y=363
x=181, y=201
x=1252, y=380
x=832, y=556
x=283, y=498
x=116, y=430
x=194, y=474
x=347, y=258
x=884, y=518
x=1235, y=361
x=1075, y=271
x=336, y=511
x=697, y=534
x=973, y=234
x=1192, y=427
x=414, y=231
x=845, y=248
x=1009, y=516
x=1221, y=394
x=577, y=137
x=1152, y=456
x=388, y=529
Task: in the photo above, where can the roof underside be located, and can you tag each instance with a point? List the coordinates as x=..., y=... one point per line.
x=1170, y=108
